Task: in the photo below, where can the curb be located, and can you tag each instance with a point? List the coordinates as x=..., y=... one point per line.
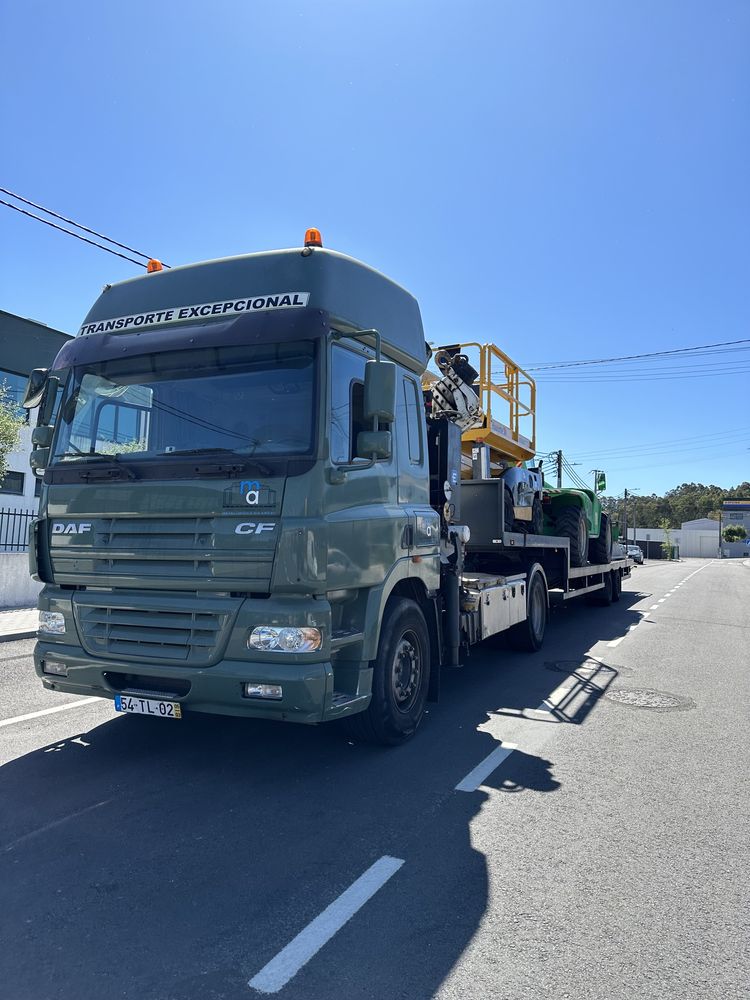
x=12, y=636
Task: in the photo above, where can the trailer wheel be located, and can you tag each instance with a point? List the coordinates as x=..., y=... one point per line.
x=571, y=523
x=600, y=549
x=528, y=635
x=400, y=678
x=603, y=597
x=616, y=585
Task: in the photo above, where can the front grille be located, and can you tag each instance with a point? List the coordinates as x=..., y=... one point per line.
x=169, y=632
x=171, y=552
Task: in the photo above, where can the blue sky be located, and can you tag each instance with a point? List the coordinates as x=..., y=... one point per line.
x=566, y=179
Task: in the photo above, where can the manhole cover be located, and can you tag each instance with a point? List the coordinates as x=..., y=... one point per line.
x=657, y=701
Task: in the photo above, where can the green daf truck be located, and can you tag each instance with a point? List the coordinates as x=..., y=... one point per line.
x=251, y=505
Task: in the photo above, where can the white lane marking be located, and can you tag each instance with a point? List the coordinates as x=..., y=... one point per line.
x=616, y=642
x=49, y=711
x=484, y=768
x=653, y=607
x=661, y=600
x=277, y=973
x=55, y=823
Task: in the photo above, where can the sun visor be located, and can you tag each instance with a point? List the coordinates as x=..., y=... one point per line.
x=303, y=324
x=280, y=284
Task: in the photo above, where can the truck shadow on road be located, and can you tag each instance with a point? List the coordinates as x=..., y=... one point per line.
x=174, y=860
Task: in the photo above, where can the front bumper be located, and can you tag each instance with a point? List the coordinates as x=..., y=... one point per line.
x=307, y=688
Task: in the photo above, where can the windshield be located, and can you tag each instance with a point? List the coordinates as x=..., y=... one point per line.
x=248, y=400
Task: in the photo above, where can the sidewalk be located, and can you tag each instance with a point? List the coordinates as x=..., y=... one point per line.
x=18, y=623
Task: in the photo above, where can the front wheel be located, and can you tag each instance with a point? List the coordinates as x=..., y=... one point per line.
x=400, y=678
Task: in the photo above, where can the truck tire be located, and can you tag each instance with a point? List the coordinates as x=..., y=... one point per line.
x=528, y=635
x=603, y=598
x=571, y=523
x=400, y=678
x=616, y=586
x=600, y=549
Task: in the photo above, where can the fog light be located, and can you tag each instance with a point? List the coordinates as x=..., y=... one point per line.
x=284, y=639
x=54, y=667
x=272, y=691
x=51, y=622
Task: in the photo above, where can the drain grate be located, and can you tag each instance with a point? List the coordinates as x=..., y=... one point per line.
x=657, y=701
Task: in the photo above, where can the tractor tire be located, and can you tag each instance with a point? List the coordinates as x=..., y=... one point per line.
x=400, y=678
x=509, y=521
x=528, y=635
x=600, y=549
x=537, y=517
x=571, y=524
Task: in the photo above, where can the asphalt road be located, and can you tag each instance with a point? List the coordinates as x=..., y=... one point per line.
x=604, y=856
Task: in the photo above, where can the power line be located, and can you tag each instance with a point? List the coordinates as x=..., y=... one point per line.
x=78, y=225
x=62, y=229
x=632, y=357
x=591, y=455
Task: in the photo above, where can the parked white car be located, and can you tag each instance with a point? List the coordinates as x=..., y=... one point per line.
x=635, y=553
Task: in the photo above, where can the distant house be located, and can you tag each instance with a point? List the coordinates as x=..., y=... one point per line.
x=24, y=345
x=693, y=538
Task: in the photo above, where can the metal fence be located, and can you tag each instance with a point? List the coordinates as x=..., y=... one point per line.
x=14, y=529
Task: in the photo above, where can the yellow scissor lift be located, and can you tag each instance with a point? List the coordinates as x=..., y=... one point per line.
x=498, y=410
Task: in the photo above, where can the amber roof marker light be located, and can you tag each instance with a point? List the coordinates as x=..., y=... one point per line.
x=313, y=238
x=154, y=265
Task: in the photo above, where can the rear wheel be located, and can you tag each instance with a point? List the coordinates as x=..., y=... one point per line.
x=600, y=549
x=528, y=635
x=400, y=678
x=616, y=585
x=604, y=596
x=571, y=524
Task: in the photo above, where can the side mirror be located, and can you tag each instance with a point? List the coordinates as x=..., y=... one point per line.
x=374, y=443
x=39, y=459
x=49, y=400
x=380, y=391
x=35, y=387
x=42, y=436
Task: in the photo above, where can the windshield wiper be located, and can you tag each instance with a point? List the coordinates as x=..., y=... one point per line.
x=242, y=458
x=78, y=453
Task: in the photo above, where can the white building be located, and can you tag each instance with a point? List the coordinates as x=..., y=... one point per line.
x=699, y=538
x=24, y=345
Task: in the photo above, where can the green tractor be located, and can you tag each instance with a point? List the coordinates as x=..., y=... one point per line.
x=578, y=516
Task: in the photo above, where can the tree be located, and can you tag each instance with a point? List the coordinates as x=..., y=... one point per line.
x=734, y=533
x=10, y=428
x=666, y=545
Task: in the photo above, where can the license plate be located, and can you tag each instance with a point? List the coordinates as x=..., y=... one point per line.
x=148, y=706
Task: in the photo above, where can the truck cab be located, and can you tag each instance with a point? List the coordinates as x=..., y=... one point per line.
x=235, y=488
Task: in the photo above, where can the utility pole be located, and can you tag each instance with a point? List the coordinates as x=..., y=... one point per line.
x=625, y=508
x=559, y=470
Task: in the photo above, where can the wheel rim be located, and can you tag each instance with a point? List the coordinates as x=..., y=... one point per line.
x=536, y=610
x=406, y=672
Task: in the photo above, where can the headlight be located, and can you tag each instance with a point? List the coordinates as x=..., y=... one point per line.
x=51, y=622
x=284, y=639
